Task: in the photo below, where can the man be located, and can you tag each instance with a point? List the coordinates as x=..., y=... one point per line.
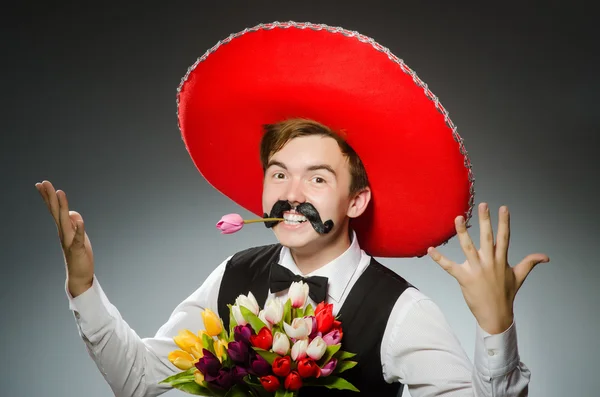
x=337, y=196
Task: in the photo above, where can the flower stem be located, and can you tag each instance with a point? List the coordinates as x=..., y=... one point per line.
x=262, y=220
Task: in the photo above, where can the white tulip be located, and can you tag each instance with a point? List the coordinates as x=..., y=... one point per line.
x=261, y=316
x=316, y=348
x=299, y=349
x=249, y=302
x=298, y=330
x=298, y=293
x=274, y=310
x=237, y=314
x=281, y=343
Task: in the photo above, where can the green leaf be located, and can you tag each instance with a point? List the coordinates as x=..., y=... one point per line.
x=334, y=382
x=299, y=313
x=331, y=350
x=193, y=388
x=180, y=375
x=267, y=355
x=255, y=322
x=208, y=343
x=342, y=355
x=232, y=322
x=284, y=393
x=309, y=310
x=344, y=366
x=237, y=391
x=287, y=311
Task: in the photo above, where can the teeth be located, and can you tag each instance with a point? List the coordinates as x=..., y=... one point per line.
x=294, y=218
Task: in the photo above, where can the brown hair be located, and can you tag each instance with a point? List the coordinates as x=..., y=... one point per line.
x=278, y=134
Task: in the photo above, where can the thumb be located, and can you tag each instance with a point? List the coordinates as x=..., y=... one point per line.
x=79, y=237
x=523, y=269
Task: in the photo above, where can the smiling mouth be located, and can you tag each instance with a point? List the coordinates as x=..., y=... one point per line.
x=292, y=218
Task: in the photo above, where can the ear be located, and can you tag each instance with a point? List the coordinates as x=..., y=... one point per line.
x=359, y=203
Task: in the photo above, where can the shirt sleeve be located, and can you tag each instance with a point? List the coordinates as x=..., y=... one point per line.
x=131, y=365
x=420, y=350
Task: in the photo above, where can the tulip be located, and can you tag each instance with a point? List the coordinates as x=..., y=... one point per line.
x=238, y=374
x=186, y=340
x=307, y=367
x=242, y=333
x=329, y=367
x=259, y=365
x=274, y=310
x=298, y=293
x=197, y=350
x=293, y=381
x=261, y=317
x=299, y=349
x=223, y=380
x=209, y=364
x=238, y=352
x=249, y=302
x=281, y=343
x=182, y=359
x=299, y=328
x=324, y=317
x=263, y=340
x=212, y=322
x=270, y=383
x=237, y=315
x=220, y=347
x=316, y=348
x=199, y=377
x=333, y=337
x=232, y=223
x=314, y=331
x=282, y=366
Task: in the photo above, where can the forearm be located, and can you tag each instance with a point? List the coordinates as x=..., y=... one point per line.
x=130, y=366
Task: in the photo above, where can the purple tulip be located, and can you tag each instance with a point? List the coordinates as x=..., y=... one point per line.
x=238, y=352
x=313, y=330
x=242, y=333
x=329, y=367
x=238, y=374
x=260, y=366
x=224, y=379
x=209, y=365
x=333, y=337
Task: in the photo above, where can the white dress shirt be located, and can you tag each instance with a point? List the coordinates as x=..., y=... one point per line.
x=418, y=348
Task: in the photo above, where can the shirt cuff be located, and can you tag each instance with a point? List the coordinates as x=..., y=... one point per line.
x=91, y=308
x=496, y=355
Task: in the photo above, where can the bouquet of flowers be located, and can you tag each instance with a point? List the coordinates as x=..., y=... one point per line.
x=270, y=352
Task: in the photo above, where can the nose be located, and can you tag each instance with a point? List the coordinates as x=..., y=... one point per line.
x=294, y=193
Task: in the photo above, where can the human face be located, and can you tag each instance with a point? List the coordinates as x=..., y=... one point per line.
x=310, y=169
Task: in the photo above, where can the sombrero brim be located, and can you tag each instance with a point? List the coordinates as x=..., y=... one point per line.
x=418, y=167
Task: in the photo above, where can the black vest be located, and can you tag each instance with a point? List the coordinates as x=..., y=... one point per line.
x=364, y=314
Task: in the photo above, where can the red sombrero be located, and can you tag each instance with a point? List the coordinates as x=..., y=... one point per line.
x=419, y=171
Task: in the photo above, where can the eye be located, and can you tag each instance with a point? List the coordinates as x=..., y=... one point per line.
x=278, y=175
x=318, y=179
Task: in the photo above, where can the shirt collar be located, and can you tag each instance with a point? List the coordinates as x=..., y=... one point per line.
x=339, y=271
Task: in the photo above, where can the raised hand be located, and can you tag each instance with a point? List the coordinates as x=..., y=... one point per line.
x=76, y=246
x=488, y=283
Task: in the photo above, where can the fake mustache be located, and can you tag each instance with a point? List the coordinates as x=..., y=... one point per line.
x=306, y=209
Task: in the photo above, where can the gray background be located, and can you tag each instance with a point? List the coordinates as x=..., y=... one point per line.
x=88, y=102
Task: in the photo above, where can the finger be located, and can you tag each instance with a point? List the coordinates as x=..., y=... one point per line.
x=52, y=201
x=65, y=220
x=79, y=236
x=503, y=237
x=523, y=269
x=486, y=233
x=445, y=263
x=42, y=191
x=465, y=241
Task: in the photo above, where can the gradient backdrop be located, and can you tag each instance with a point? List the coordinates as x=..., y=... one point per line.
x=89, y=104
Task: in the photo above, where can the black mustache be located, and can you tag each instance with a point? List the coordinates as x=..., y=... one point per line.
x=306, y=209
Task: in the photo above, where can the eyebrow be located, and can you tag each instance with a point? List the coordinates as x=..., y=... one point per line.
x=315, y=167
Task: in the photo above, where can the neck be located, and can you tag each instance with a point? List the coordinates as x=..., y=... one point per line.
x=309, y=259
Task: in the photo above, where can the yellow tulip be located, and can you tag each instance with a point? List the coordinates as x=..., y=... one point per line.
x=199, y=378
x=181, y=359
x=196, y=350
x=220, y=346
x=186, y=340
x=212, y=322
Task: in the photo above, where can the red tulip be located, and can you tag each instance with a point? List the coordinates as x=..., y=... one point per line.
x=307, y=367
x=270, y=383
x=282, y=366
x=324, y=316
x=293, y=381
x=263, y=340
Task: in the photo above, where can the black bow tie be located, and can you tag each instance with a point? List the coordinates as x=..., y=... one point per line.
x=281, y=278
